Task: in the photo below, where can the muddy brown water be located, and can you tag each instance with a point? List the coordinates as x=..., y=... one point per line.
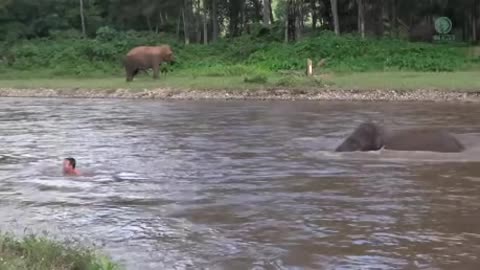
x=241, y=185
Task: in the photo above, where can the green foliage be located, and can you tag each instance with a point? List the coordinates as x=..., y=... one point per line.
x=356, y=54
x=34, y=252
x=66, y=54
x=106, y=33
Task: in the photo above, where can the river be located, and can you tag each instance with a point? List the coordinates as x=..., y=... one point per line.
x=241, y=185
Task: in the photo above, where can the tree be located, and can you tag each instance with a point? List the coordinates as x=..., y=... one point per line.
x=82, y=18
x=336, y=22
x=214, y=21
x=361, y=18
x=266, y=13
x=205, y=22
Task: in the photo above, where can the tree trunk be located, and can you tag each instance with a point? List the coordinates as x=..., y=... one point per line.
x=162, y=20
x=394, y=19
x=185, y=28
x=159, y=22
x=336, y=23
x=205, y=28
x=380, y=14
x=474, y=30
x=314, y=14
x=82, y=19
x=258, y=11
x=236, y=12
x=361, y=17
x=178, y=27
x=214, y=21
x=271, y=11
x=298, y=21
x=149, y=24
x=286, y=23
x=266, y=13
x=291, y=21
x=198, y=26
x=474, y=22
x=243, y=18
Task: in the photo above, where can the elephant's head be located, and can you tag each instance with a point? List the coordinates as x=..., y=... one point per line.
x=366, y=137
x=168, y=55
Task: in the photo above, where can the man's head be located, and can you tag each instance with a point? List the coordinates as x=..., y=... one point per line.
x=69, y=165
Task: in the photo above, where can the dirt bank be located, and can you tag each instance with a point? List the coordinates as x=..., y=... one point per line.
x=433, y=95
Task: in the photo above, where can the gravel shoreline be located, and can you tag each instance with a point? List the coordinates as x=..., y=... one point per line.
x=432, y=95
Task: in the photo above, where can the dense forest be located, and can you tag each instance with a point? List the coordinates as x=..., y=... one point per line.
x=247, y=32
x=206, y=20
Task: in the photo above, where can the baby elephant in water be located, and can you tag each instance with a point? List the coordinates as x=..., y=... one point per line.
x=369, y=136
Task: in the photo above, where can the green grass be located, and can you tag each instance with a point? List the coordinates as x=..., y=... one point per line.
x=183, y=81
x=461, y=80
x=40, y=253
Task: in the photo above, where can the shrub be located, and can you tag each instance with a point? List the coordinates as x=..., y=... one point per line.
x=36, y=252
x=242, y=56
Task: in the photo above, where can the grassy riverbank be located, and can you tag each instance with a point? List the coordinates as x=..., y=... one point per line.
x=40, y=253
x=378, y=86
x=253, y=62
x=462, y=80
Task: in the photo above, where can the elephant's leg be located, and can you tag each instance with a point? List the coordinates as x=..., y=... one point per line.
x=155, y=71
x=164, y=70
x=130, y=74
x=135, y=72
x=131, y=68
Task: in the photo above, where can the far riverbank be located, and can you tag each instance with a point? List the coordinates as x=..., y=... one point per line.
x=379, y=86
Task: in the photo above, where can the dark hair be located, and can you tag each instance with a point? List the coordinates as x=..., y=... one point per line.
x=72, y=161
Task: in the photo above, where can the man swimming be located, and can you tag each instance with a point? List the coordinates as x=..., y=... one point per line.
x=69, y=165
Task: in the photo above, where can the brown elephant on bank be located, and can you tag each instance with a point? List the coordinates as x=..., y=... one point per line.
x=142, y=58
x=369, y=136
